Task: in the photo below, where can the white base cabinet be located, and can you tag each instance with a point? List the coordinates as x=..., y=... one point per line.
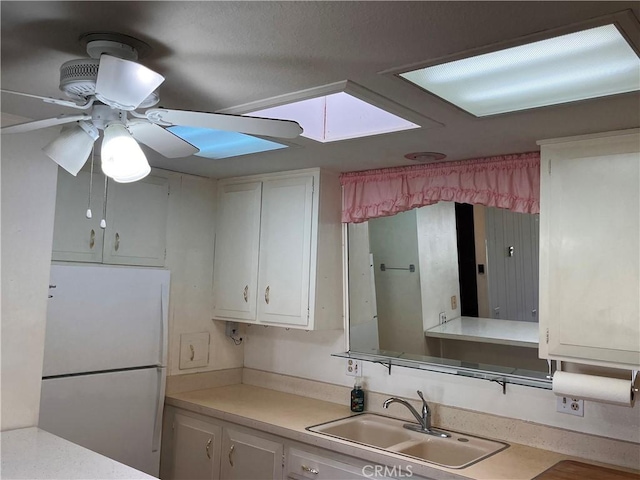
x=249, y=457
x=191, y=449
x=136, y=217
x=196, y=447
x=590, y=249
x=196, y=452
x=278, y=257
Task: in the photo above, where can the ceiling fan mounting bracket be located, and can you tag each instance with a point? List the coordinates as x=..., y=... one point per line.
x=115, y=44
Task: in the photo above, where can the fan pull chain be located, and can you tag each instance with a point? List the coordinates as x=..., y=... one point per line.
x=89, y=215
x=103, y=222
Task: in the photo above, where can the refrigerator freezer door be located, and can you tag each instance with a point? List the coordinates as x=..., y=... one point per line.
x=105, y=318
x=118, y=415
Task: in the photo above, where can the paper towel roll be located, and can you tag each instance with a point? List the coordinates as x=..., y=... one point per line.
x=591, y=387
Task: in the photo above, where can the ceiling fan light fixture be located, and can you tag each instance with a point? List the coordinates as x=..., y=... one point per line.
x=124, y=84
x=122, y=158
x=72, y=147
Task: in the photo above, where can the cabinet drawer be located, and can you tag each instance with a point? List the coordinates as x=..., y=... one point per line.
x=303, y=465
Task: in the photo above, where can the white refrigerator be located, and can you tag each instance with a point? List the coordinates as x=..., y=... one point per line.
x=105, y=360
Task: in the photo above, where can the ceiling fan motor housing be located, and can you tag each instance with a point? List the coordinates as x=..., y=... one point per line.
x=78, y=80
x=78, y=77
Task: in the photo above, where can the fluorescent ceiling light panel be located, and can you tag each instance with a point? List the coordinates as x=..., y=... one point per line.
x=587, y=64
x=220, y=144
x=338, y=116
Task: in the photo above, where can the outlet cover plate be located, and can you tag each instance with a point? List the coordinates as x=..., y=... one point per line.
x=572, y=406
x=354, y=368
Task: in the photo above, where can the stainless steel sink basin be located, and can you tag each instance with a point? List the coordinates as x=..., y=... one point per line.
x=457, y=451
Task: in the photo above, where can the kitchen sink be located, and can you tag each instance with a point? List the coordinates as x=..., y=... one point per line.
x=386, y=433
x=369, y=429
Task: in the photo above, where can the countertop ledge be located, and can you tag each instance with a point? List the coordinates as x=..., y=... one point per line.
x=31, y=453
x=287, y=415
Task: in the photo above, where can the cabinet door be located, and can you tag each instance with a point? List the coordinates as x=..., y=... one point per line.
x=590, y=252
x=196, y=451
x=75, y=237
x=136, y=222
x=235, y=271
x=247, y=457
x=285, y=251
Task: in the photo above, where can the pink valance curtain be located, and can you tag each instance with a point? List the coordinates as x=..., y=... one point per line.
x=506, y=181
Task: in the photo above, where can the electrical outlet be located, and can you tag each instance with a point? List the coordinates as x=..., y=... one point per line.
x=354, y=368
x=454, y=302
x=442, y=318
x=572, y=406
x=231, y=329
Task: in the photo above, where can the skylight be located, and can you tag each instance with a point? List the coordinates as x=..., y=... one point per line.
x=587, y=64
x=338, y=116
x=220, y=144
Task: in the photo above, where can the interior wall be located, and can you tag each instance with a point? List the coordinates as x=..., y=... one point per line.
x=28, y=207
x=394, y=243
x=481, y=259
x=362, y=307
x=190, y=248
x=437, y=244
x=308, y=355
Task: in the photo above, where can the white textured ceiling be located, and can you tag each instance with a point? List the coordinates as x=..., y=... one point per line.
x=218, y=55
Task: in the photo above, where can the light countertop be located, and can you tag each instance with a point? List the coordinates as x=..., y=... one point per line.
x=33, y=454
x=288, y=415
x=488, y=330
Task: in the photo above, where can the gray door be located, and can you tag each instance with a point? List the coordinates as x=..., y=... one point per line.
x=512, y=269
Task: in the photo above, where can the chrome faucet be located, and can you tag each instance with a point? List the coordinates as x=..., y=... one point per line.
x=424, y=420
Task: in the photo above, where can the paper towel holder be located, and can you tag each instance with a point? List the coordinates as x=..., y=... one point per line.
x=634, y=376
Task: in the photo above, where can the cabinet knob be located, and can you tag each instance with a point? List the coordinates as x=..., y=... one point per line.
x=207, y=449
x=92, y=238
x=117, y=245
x=245, y=294
x=310, y=470
x=266, y=294
x=233, y=447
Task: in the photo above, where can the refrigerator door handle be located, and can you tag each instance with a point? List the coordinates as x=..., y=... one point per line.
x=164, y=312
x=157, y=424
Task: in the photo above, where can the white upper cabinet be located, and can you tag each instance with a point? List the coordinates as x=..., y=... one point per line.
x=278, y=250
x=75, y=237
x=236, y=250
x=136, y=216
x=136, y=222
x=285, y=250
x=590, y=249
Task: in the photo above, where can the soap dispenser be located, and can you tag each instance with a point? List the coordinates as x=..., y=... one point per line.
x=357, y=397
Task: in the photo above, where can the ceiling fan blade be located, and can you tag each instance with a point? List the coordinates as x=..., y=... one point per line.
x=219, y=121
x=48, y=122
x=56, y=101
x=162, y=141
x=124, y=84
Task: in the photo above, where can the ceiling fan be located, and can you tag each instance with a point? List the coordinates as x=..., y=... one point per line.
x=111, y=89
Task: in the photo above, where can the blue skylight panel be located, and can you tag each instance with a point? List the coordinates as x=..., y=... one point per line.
x=218, y=144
